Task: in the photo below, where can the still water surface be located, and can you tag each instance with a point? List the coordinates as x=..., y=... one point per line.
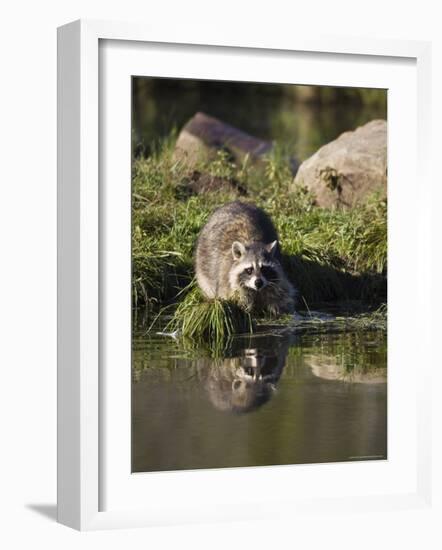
x=279, y=397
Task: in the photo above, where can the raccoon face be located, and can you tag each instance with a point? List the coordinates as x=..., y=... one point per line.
x=254, y=266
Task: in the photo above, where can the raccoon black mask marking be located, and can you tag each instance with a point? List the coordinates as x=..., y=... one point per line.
x=255, y=265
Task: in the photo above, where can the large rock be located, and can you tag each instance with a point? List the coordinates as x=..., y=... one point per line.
x=203, y=136
x=345, y=171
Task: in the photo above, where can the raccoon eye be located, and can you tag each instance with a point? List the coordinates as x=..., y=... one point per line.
x=249, y=270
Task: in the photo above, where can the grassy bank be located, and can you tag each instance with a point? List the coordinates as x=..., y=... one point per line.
x=328, y=254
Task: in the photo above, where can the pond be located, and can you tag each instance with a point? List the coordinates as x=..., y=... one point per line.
x=300, y=118
x=281, y=396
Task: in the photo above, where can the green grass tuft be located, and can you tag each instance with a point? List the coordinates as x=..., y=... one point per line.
x=215, y=321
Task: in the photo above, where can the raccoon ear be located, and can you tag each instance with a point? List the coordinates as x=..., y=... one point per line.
x=271, y=248
x=238, y=250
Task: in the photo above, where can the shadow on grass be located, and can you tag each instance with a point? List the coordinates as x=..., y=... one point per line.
x=320, y=283
x=315, y=282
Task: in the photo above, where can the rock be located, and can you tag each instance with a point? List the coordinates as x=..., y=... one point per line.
x=345, y=171
x=203, y=136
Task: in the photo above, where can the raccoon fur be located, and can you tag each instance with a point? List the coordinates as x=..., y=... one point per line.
x=238, y=257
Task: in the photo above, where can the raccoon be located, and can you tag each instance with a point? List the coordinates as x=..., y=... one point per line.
x=247, y=378
x=238, y=257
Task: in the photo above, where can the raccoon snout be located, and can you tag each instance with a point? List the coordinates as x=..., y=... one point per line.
x=259, y=283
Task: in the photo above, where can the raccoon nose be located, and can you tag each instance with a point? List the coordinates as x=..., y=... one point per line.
x=258, y=283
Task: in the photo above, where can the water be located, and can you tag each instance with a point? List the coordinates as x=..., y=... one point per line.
x=280, y=397
x=271, y=112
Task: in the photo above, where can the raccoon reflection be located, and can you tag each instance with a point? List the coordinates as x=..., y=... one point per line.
x=245, y=382
x=237, y=255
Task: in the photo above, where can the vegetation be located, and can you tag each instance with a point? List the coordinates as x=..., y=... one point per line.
x=329, y=254
x=215, y=321
x=341, y=321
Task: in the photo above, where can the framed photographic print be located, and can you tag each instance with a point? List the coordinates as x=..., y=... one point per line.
x=228, y=215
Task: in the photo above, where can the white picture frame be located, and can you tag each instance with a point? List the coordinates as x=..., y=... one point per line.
x=81, y=394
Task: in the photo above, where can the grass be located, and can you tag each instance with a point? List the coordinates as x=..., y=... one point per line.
x=328, y=254
x=357, y=322
x=216, y=321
